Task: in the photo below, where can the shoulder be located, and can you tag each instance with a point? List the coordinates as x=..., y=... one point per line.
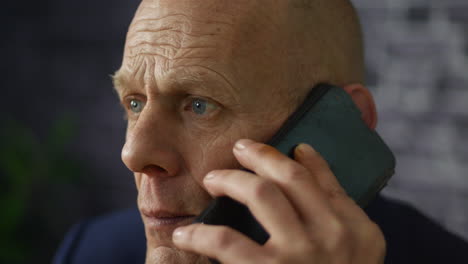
x=114, y=238
x=414, y=238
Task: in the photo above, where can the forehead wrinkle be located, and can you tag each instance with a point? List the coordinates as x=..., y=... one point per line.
x=126, y=81
x=169, y=37
x=189, y=79
x=171, y=41
x=178, y=22
x=172, y=34
x=192, y=9
x=158, y=42
x=167, y=51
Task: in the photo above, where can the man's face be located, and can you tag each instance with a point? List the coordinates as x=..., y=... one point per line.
x=194, y=79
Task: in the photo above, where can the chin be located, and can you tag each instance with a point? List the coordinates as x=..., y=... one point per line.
x=169, y=255
x=161, y=249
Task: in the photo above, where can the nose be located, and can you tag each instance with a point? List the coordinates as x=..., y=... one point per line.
x=149, y=145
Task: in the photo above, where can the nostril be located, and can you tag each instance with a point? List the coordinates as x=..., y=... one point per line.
x=153, y=170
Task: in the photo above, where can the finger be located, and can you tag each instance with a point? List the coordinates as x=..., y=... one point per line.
x=297, y=182
x=264, y=199
x=313, y=161
x=343, y=204
x=219, y=242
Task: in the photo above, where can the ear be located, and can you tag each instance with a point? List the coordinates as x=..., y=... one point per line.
x=365, y=102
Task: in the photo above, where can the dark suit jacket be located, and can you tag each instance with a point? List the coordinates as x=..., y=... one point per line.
x=119, y=238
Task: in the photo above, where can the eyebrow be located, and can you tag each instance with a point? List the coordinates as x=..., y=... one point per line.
x=207, y=85
x=191, y=82
x=117, y=81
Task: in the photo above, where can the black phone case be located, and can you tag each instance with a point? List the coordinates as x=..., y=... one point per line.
x=329, y=121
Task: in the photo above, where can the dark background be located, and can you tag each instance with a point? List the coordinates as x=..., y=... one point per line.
x=62, y=127
x=61, y=124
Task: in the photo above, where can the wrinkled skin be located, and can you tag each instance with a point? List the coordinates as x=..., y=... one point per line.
x=196, y=77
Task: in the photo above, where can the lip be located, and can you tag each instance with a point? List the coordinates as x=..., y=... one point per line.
x=160, y=220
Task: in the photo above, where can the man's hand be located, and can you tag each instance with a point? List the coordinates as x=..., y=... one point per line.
x=300, y=203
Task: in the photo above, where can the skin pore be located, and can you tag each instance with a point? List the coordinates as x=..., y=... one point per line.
x=199, y=75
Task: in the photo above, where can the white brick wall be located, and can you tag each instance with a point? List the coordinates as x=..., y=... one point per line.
x=417, y=56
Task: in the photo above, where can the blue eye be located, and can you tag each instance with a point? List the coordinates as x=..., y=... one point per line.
x=202, y=108
x=199, y=106
x=136, y=106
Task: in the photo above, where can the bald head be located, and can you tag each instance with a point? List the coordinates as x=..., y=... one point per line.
x=329, y=34
x=301, y=42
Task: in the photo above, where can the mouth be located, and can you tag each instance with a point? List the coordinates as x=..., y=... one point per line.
x=160, y=220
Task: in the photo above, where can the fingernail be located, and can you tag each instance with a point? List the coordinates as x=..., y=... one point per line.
x=303, y=148
x=210, y=175
x=243, y=143
x=179, y=234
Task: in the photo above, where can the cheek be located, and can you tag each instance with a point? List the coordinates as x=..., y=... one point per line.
x=214, y=156
x=212, y=152
x=137, y=180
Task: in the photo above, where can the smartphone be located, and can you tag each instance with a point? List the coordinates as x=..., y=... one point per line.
x=330, y=122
